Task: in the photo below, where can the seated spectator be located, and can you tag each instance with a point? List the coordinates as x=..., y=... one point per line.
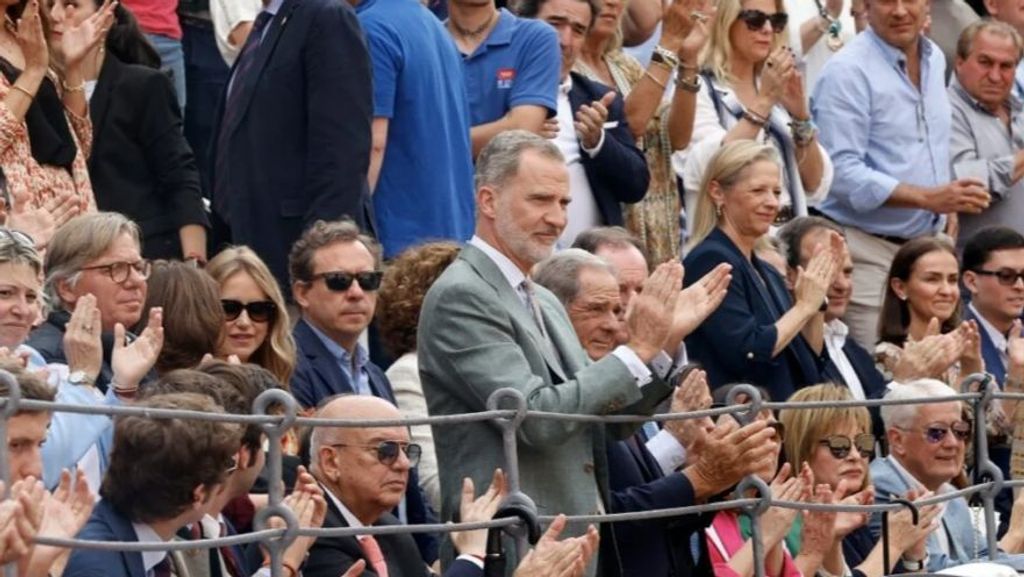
x=606, y=169
x=402, y=289
x=365, y=472
x=922, y=299
x=335, y=273
x=661, y=119
x=926, y=451
x=194, y=317
x=752, y=90
x=141, y=165
x=622, y=250
x=140, y=501
x=95, y=254
x=257, y=328
x=987, y=123
x=837, y=444
x=754, y=336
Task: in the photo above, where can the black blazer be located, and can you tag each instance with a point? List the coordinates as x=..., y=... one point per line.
x=298, y=148
x=619, y=173
x=141, y=165
x=735, y=343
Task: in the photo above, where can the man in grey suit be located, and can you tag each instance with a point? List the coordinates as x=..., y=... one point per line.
x=485, y=326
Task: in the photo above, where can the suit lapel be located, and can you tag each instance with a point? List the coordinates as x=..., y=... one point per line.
x=99, y=104
x=577, y=94
x=379, y=384
x=331, y=375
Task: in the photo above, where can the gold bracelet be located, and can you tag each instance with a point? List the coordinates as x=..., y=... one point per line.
x=79, y=88
x=24, y=91
x=648, y=74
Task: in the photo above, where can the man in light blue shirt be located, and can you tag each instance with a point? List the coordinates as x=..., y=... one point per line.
x=884, y=117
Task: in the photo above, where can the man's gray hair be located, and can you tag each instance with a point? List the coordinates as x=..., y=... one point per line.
x=499, y=160
x=80, y=241
x=560, y=273
x=902, y=416
x=965, y=43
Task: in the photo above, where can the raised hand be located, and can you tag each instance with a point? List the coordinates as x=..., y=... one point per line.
x=479, y=509
x=16, y=532
x=78, y=41
x=818, y=532
x=692, y=395
x=794, y=98
x=590, y=119
x=131, y=362
x=554, y=558
x=813, y=282
x=910, y=539
x=731, y=453
x=649, y=318
x=775, y=74
x=847, y=523
x=702, y=13
x=971, y=360
x=64, y=513
x=82, y=345
x=32, y=39
x=697, y=302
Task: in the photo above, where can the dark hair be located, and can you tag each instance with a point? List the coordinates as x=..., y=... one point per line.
x=157, y=463
x=406, y=282
x=986, y=241
x=193, y=316
x=32, y=386
x=127, y=42
x=894, y=319
x=250, y=381
x=531, y=8
x=594, y=239
x=323, y=234
x=792, y=235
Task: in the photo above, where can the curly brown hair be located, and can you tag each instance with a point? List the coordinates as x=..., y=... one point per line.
x=406, y=282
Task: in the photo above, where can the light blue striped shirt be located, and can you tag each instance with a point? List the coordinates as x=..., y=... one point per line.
x=880, y=131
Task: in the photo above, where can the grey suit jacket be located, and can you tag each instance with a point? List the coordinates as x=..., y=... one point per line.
x=475, y=337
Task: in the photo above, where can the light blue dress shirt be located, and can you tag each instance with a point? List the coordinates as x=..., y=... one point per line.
x=881, y=130
x=360, y=385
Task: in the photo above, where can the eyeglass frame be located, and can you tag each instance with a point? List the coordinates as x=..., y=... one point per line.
x=868, y=454
x=131, y=266
x=244, y=307
x=749, y=14
x=964, y=435
x=354, y=278
x=998, y=274
x=413, y=459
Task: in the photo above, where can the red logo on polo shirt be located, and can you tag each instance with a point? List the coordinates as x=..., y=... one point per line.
x=505, y=77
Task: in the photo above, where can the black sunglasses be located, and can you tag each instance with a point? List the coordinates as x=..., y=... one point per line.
x=755, y=19
x=387, y=451
x=840, y=445
x=342, y=281
x=937, y=433
x=1005, y=276
x=259, y=311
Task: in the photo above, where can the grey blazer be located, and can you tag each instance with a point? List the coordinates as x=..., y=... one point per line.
x=477, y=336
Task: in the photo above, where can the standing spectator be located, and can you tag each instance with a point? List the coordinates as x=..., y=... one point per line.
x=141, y=165
x=605, y=166
x=988, y=123
x=821, y=28
x=752, y=90
x=511, y=67
x=1011, y=13
x=884, y=116
x=159, y=20
x=653, y=110
x=948, y=18
x=293, y=132
x=421, y=164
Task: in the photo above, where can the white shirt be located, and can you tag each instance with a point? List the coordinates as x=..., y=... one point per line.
x=226, y=15
x=145, y=534
x=583, y=211
x=667, y=451
x=998, y=338
x=836, y=333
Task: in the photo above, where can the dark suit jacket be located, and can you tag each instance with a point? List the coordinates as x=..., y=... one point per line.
x=619, y=173
x=317, y=376
x=871, y=379
x=106, y=524
x=299, y=147
x=655, y=548
x=993, y=362
x=141, y=165
x=332, y=556
x=735, y=343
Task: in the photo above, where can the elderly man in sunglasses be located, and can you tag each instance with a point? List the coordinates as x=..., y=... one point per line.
x=927, y=444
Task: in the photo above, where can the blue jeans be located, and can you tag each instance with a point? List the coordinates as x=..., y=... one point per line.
x=172, y=60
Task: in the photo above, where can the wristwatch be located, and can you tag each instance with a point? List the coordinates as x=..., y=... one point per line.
x=81, y=378
x=913, y=565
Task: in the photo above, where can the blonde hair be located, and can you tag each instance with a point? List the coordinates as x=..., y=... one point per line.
x=717, y=53
x=806, y=427
x=727, y=167
x=277, y=353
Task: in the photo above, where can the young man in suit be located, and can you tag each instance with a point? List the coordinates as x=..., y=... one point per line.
x=606, y=168
x=335, y=272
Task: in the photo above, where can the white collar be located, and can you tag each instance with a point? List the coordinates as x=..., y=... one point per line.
x=837, y=331
x=566, y=85
x=912, y=480
x=349, y=517
x=998, y=338
x=145, y=534
x=509, y=270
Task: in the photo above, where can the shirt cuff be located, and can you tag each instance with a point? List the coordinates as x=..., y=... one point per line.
x=636, y=367
x=592, y=152
x=667, y=451
x=474, y=560
x=661, y=365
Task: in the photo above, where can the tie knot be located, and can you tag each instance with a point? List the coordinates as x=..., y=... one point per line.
x=261, y=21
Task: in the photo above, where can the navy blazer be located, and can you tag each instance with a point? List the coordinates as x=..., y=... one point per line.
x=298, y=147
x=658, y=547
x=871, y=379
x=106, y=524
x=619, y=173
x=993, y=362
x=735, y=343
x=317, y=376
x=332, y=556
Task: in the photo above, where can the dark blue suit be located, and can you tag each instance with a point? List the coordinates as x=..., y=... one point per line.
x=655, y=548
x=735, y=343
x=619, y=173
x=317, y=377
x=297, y=146
x=872, y=381
x=106, y=524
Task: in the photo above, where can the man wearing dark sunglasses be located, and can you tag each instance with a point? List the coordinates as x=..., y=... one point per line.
x=927, y=444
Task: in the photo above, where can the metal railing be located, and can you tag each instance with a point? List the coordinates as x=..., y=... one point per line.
x=509, y=420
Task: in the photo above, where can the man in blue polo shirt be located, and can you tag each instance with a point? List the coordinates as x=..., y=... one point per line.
x=511, y=67
x=421, y=164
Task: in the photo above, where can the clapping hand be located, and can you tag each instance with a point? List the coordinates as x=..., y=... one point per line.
x=82, y=345
x=476, y=510
x=590, y=119
x=692, y=395
x=696, y=303
x=32, y=39
x=649, y=318
x=131, y=362
x=554, y=558
x=77, y=41
x=731, y=452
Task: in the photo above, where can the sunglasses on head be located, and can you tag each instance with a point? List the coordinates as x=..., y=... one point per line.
x=840, y=445
x=387, y=451
x=755, y=19
x=937, y=433
x=342, y=281
x=258, y=311
x=1005, y=276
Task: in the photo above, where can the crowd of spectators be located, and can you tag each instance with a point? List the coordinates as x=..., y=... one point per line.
x=395, y=208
